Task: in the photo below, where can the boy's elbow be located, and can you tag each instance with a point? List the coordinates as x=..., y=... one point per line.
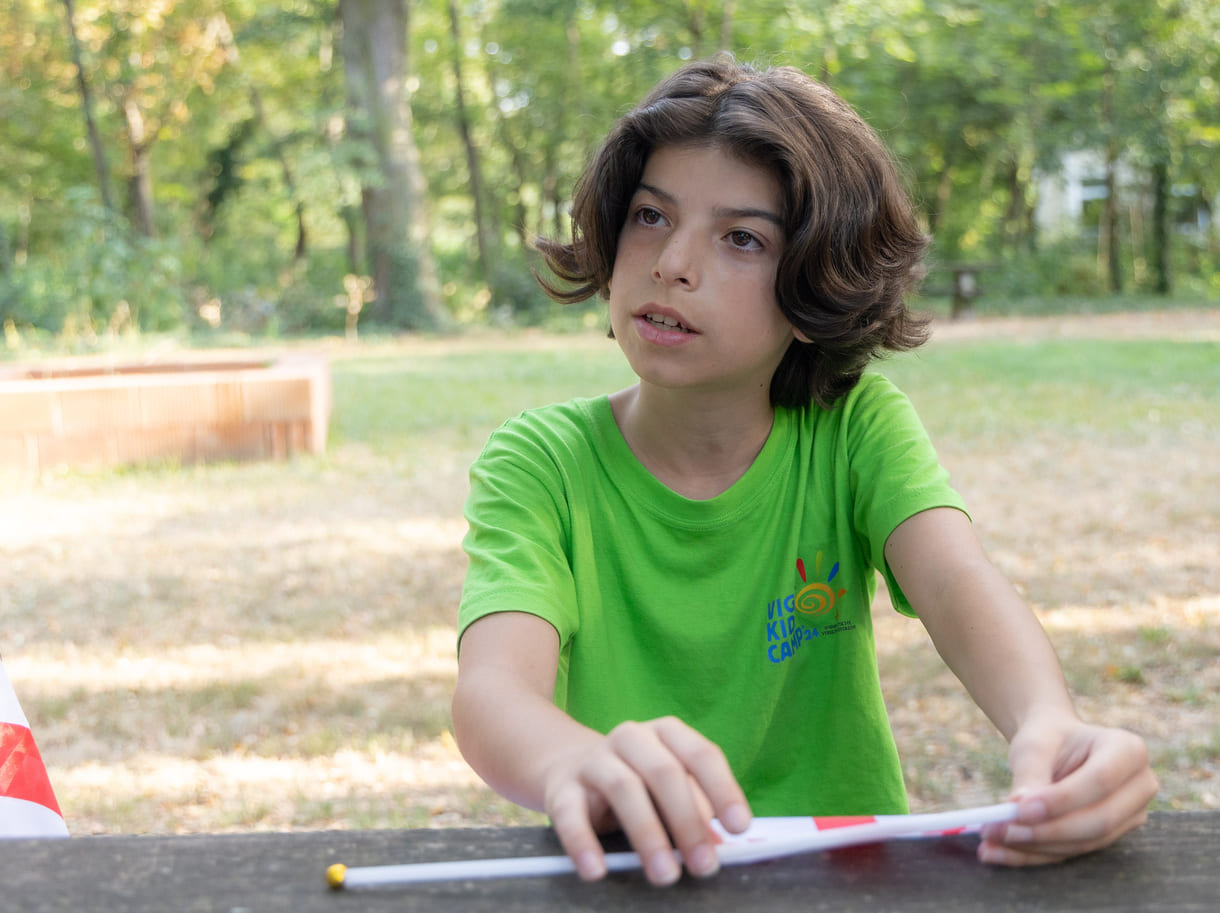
x=462, y=710
x=477, y=713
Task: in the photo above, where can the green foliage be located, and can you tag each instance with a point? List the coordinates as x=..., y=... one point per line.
x=258, y=176
x=312, y=302
x=1064, y=270
x=101, y=277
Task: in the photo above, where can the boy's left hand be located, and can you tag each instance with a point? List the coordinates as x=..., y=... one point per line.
x=1079, y=787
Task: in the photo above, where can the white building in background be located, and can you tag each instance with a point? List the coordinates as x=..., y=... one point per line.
x=1064, y=197
x=1069, y=202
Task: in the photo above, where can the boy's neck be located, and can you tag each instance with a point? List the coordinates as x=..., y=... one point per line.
x=696, y=446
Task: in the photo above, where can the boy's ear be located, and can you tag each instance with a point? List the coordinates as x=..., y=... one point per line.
x=800, y=337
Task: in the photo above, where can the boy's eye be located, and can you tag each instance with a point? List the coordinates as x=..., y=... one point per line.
x=648, y=216
x=742, y=238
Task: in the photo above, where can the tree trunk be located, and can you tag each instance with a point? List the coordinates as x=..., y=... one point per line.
x=355, y=247
x=6, y=253
x=482, y=230
x=86, y=98
x=301, y=248
x=696, y=21
x=1110, y=247
x=290, y=184
x=140, y=182
x=944, y=192
x=1109, y=228
x=550, y=199
x=1162, y=274
x=574, y=89
x=1014, y=219
x=726, y=26
x=375, y=66
x=520, y=215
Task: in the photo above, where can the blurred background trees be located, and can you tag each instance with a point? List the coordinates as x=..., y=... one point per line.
x=223, y=165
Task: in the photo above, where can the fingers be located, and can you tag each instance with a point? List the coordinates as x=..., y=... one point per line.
x=571, y=818
x=1112, y=767
x=648, y=770
x=661, y=782
x=662, y=792
x=1102, y=791
x=710, y=771
x=1014, y=850
x=1081, y=832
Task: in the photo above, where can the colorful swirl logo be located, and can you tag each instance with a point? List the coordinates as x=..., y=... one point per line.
x=817, y=598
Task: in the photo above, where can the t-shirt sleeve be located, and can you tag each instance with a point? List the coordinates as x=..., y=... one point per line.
x=518, y=533
x=896, y=472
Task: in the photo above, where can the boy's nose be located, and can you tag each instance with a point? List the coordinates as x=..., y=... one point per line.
x=676, y=263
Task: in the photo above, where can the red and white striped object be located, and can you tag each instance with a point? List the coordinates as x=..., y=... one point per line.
x=766, y=839
x=775, y=838
x=27, y=803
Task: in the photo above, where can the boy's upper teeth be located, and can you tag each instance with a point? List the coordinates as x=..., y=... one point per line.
x=659, y=318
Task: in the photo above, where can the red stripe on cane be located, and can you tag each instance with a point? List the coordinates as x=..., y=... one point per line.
x=829, y=823
x=22, y=773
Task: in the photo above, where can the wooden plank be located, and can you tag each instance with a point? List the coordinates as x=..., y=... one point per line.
x=98, y=408
x=89, y=413
x=163, y=405
x=275, y=399
x=1169, y=865
x=25, y=411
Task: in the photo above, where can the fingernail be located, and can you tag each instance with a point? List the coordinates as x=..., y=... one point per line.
x=589, y=866
x=702, y=861
x=1018, y=833
x=991, y=854
x=1032, y=811
x=736, y=818
x=663, y=868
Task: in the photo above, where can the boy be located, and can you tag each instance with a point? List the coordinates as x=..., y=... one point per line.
x=666, y=615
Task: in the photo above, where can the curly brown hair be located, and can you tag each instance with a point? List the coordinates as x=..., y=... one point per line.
x=853, y=246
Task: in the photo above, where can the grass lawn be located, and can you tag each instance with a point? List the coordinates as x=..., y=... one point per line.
x=270, y=646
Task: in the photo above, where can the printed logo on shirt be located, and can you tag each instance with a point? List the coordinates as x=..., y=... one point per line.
x=805, y=614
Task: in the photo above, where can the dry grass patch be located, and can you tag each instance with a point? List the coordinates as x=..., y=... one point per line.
x=272, y=646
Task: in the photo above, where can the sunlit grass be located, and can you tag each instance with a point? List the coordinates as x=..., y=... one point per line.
x=271, y=645
x=1119, y=389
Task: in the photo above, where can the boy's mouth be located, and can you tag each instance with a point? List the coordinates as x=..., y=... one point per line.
x=666, y=323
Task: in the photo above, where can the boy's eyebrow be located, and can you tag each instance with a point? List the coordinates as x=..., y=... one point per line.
x=721, y=212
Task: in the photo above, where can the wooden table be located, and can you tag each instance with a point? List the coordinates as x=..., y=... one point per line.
x=1172, y=864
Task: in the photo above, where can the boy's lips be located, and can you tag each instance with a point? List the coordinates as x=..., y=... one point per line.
x=665, y=319
x=663, y=327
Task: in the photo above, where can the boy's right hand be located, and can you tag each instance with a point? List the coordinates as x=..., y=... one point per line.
x=661, y=782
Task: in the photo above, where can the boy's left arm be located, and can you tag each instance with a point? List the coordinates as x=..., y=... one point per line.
x=1079, y=786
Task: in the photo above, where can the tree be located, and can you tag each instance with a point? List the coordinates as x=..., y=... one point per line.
x=154, y=57
x=289, y=151
x=393, y=194
x=482, y=230
x=86, y=97
x=277, y=144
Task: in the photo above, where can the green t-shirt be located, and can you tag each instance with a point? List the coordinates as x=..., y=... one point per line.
x=746, y=615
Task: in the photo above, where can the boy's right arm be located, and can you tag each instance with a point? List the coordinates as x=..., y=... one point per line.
x=652, y=779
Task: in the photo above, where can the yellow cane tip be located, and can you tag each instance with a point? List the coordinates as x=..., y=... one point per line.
x=336, y=875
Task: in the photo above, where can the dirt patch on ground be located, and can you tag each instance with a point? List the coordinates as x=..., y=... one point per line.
x=1194, y=325
x=271, y=646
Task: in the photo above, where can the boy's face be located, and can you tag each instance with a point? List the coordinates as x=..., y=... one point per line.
x=692, y=294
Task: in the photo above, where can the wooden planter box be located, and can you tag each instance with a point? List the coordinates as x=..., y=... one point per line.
x=89, y=412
